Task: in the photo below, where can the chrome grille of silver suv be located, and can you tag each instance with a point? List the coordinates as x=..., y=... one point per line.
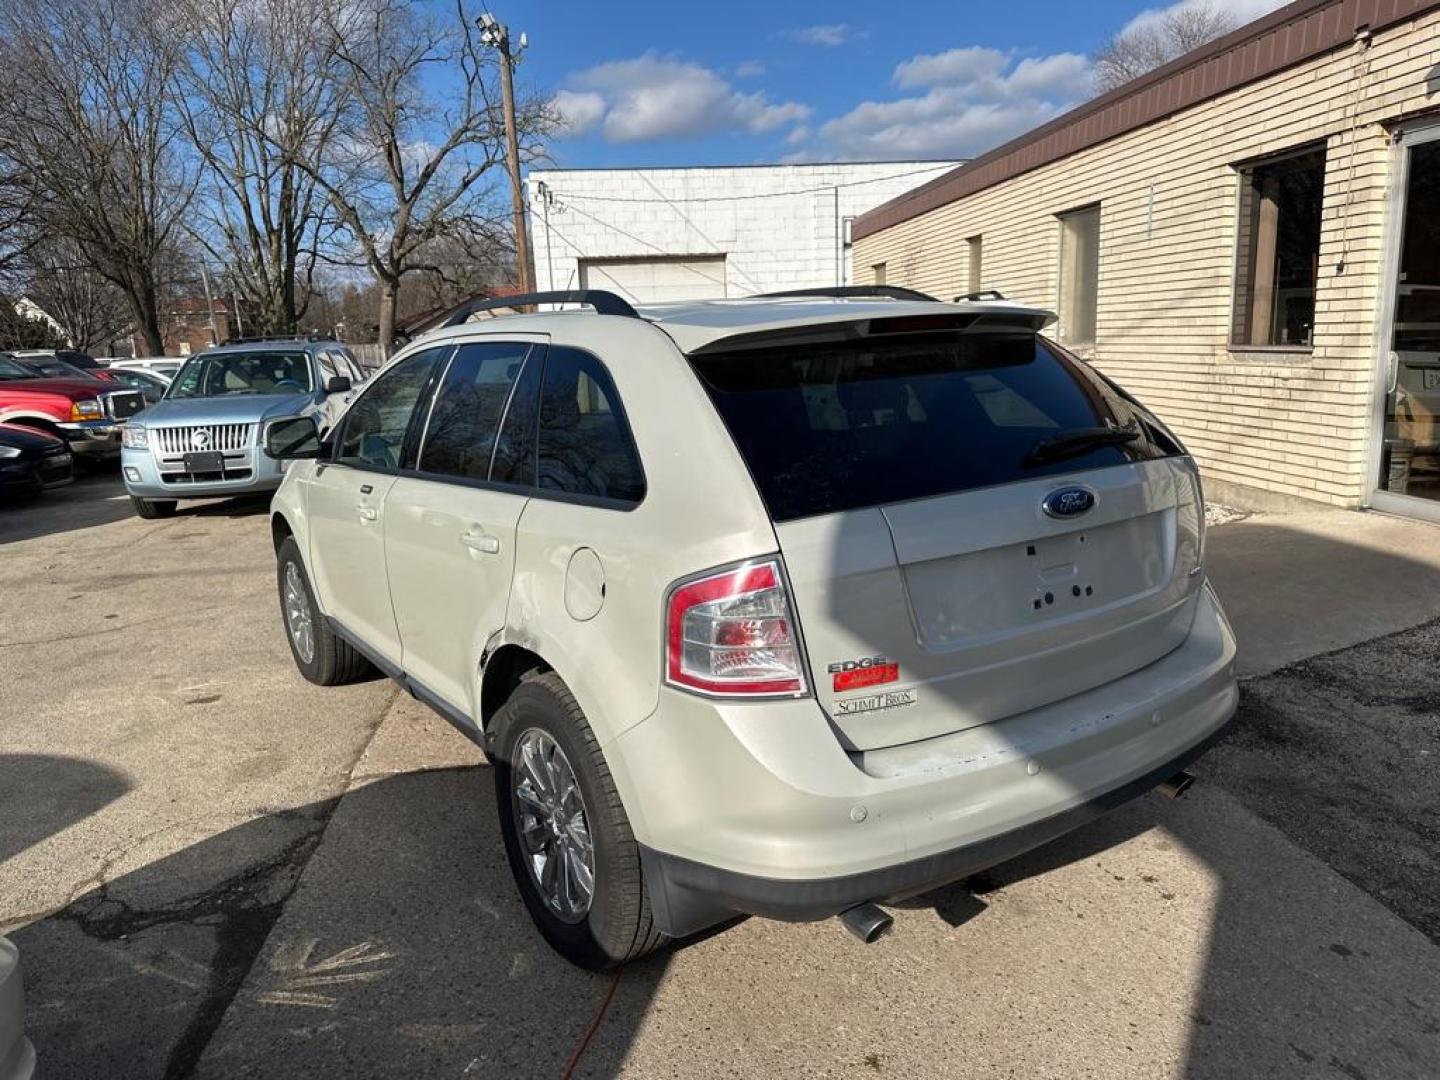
x=179, y=440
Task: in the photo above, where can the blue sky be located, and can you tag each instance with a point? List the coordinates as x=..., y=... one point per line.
x=656, y=82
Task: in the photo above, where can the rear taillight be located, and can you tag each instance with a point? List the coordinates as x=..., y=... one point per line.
x=734, y=633
x=1198, y=490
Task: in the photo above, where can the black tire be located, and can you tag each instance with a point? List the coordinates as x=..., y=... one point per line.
x=334, y=660
x=618, y=927
x=149, y=509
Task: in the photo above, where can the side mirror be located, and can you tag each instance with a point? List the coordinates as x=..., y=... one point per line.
x=337, y=384
x=292, y=438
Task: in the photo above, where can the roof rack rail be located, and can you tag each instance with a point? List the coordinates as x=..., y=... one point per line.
x=252, y=338
x=983, y=294
x=845, y=292
x=604, y=303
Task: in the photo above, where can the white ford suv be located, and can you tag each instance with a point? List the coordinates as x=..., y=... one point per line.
x=783, y=606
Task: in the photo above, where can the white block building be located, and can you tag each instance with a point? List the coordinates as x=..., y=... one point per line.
x=693, y=233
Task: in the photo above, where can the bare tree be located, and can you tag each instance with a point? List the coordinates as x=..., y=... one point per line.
x=1158, y=39
x=258, y=96
x=90, y=309
x=17, y=222
x=411, y=165
x=84, y=115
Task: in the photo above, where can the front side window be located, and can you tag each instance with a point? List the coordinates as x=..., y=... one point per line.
x=221, y=374
x=1079, y=275
x=372, y=433
x=830, y=427
x=1278, y=257
x=584, y=443
x=469, y=405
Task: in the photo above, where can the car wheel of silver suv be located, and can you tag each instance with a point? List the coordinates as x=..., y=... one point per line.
x=153, y=508
x=572, y=853
x=322, y=656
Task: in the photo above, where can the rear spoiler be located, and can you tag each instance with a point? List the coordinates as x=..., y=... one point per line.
x=998, y=320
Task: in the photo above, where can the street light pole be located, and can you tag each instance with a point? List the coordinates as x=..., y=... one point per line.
x=496, y=34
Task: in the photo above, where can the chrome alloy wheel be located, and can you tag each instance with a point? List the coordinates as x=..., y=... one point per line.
x=297, y=614
x=549, y=815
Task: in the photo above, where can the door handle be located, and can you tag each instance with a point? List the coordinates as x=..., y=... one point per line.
x=1394, y=360
x=481, y=542
x=367, y=513
x=366, y=489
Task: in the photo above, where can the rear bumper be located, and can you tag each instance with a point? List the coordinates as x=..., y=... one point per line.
x=685, y=892
x=757, y=809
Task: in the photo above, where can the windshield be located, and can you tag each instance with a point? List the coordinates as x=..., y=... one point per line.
x=221, y=374
x=832, y=427
x=13, y=369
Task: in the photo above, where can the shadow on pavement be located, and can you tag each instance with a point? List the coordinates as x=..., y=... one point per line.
x=41, y=795
x=405, y=952
x=93, y=499
x=99, y=499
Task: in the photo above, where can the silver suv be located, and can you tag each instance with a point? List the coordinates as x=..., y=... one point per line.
x=202, y=440
x=780, y=606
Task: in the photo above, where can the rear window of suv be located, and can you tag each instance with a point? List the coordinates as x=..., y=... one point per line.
x=828, y=427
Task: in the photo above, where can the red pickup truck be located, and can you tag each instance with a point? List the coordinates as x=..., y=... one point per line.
x=85, y=413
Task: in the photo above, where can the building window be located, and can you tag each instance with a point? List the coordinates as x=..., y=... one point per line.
x=877, y=274
x=1278, y=257
x=972, y=265
x=1079, y=274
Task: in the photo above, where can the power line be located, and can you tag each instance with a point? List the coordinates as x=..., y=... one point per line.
x=639, y=240
x=747, y=198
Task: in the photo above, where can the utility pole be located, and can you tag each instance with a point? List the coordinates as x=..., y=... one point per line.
x=497, y=35
x=209, y=305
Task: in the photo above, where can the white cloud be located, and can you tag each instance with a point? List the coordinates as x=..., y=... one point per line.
x=829, y=35
x=956, y=66
x=749, y=69
x=579, y=110
x=655, y=97
x=1240, y=11
x=973, y=99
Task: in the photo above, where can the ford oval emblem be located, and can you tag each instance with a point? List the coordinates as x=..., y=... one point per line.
x=1068, y=502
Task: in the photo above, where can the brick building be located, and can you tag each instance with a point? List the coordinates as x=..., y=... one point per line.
x=696, y=233
x=1247, y=238
x=185, y=323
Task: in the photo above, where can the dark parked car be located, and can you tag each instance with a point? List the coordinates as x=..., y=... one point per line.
x=32, y=461
x=73, y=357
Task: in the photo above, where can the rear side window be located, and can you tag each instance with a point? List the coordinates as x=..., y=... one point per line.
x=584, y=443
x=469, y=405
x=837, y=426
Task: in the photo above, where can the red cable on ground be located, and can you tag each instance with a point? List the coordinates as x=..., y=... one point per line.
x=579, y=1051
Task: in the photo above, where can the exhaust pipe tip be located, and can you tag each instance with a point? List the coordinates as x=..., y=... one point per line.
x=1176, y=786
x=868, y=922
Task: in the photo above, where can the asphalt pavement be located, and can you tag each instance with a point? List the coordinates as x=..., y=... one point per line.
x=214, y=869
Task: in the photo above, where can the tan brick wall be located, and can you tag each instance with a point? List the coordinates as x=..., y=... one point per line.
x=1291, y=423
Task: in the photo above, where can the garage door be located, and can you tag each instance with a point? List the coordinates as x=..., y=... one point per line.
x=653, y=280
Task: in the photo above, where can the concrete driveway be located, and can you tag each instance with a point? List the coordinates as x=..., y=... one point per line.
x=213, y=869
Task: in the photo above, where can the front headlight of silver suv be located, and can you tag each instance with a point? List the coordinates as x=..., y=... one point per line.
x=134, y=436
